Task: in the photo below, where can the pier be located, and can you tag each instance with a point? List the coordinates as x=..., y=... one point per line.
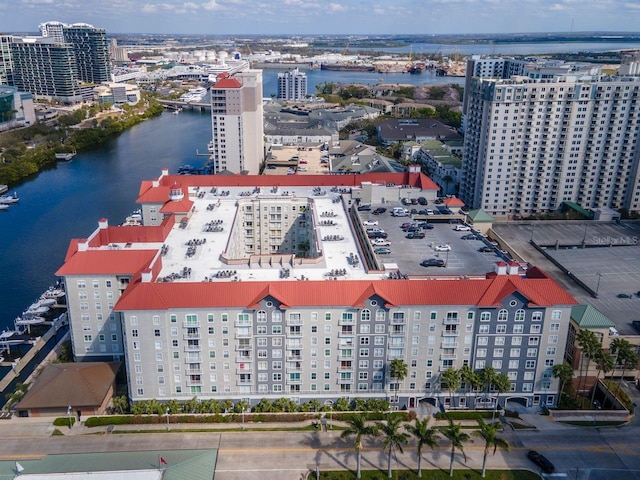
x=176, y=104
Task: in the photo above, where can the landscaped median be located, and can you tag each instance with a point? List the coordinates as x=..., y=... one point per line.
x=431, y=475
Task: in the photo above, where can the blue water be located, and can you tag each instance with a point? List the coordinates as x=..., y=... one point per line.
x=67, y=202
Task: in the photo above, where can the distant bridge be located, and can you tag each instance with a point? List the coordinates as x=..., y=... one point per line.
x=176, y=104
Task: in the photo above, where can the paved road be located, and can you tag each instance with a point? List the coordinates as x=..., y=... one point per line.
x=582, y=453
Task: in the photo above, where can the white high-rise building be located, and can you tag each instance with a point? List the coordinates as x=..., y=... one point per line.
x=237, y=143
x=53, y=30
x=531, y=144
x=292, y=85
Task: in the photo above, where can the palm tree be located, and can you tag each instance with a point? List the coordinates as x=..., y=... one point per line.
x=451, y=380
x=457, y=437
x=564, y=373
x=486, y=377
x=469, y=377
x=425, y=436
x=394, y=439
x=605, y=364
x=502, y=384
x=625, y=356
x=589, y=344
x=358, y=427
x=399, y=370
x=489, y=432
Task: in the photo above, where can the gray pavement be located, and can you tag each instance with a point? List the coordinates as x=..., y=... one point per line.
x=581, y=453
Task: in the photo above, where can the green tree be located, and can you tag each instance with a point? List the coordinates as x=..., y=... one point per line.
x=425, y=436
x=489, y=432
x=264, y=406
x=502, y=384
x=457, y=437
x=625, y=356
x=398, y=370
x=564, y=373
x=589, y=345
x=242, y=405
x=451, y=381
x=605, y=364
x=120, y=404
x=358, y=428
x=469, y=377
x=394, y=439
x=342, y=405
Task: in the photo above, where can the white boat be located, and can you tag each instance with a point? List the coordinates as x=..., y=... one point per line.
x=29, y=320
x=46, y=302
x=4, y=206
x=53, y=292
x=37, y=309
x=9, y=199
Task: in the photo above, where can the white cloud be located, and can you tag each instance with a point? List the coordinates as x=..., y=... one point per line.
x=148, y=8
x=336, y=7
x=211, y=5
x=37, y=2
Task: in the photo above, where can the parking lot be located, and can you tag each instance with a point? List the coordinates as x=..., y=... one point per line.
x=463, y=258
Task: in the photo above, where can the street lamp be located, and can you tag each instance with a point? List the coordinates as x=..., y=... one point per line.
x=330, y=417
x=69, y=410
x=167, y=412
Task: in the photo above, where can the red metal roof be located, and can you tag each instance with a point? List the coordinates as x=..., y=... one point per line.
x=350, y=293
x=453, y=202
x=105, y=262
x=183, y=206
x=227, y=83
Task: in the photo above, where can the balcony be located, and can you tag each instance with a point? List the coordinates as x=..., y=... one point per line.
x=247, y=369
x=448, y=345
x=244, y=382
x=244, y=359
x=191, y=336
x=193, y=359
x=242, y=335
x=347, y=357
x=192, y=383
x=345, y=333
x=346, y=344
x=192, y=348
x=191, y=324
x=294, y=358
x=346, y=321
x=193, y=371
x=293, y=369
x=452, y=321
x=450, y=333
x=398, y=321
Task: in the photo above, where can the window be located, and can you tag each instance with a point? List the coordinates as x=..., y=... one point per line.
x=556, y=315
x=516, y=341
x=536, y=316
x=534, y=340
x=551, y=350
x=327, y=317
x=501, y=329
x=518, y=329
x=549, y=362
x=364, y=352
x=483, y=340
x=485, y=316
x=261, y=316
x=483, y=329
x=519, y=316
x=381, y=315
x=535, y=328
x=514, y=364
x=553, y=338
x=499, y=341
x=530, y=364
x=554, y=327
x=379, y=328
x=503, y=315
x=481, y=352
x=365, y=315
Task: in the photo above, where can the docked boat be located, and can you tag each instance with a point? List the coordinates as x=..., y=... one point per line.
x=65, y=156
x=46, y=302
x=11, y=338
x=4, y=206
x=9, y=199
x=53, y=292
x=37, y=309
x=28, y=320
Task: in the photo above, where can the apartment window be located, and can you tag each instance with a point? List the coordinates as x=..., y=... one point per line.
x=554, y=327
x=503, y=315
x=519, y=316
x=501, y=329
x=485, y=316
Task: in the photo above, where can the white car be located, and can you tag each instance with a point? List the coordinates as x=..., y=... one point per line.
x=380, y=242
x=462, y=228
x=442, y=248
x=370, y=223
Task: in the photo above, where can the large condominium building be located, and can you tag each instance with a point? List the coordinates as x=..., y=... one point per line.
x=53, y=30
x=531, y=144
x=45, y=68
x=292, y=85
x=91, y=52
x=237, y=143
x=243, y=287
x=6, y=63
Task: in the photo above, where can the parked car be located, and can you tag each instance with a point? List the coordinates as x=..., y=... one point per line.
x=462, y=228
x=623, y=295
x=433, y=262
x=636, y=325
x=412, y=228
x=379, y=210
x=380, y=242
x=422, y=200
x=445, y=247
x=406, y=201
x=382, y=251
x=415, y=235
x=541, y=461
x=375, y=230
x=377, y=234
x=414, y=201
x=426, y=225
x=439, y=201
x=370, y=223
x=271, y=167
x=429, y=211
x=486, y=249
x=364, y=208
x=303, y=161
x=414, y=211
x=468, y=236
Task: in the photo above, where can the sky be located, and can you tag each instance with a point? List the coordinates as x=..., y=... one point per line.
x=300, y=17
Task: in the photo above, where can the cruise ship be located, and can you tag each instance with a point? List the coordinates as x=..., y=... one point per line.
x=194, y=95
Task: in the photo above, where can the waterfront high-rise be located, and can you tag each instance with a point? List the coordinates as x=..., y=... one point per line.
x=45, y=68
x=292, y=85
x=531, y=144
x=6, y=63
x=91, y=52
x=237, y=143
x=54, y=30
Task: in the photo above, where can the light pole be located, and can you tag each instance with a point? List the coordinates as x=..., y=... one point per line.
x=167, y=412
x=330, y=417
x=598, y=284
x=69, y=410
x=242, y=417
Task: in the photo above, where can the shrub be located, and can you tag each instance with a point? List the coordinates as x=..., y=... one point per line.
x=64, y=421
x=463, y=415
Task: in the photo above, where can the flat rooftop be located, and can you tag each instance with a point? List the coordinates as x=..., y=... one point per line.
x=609, y=263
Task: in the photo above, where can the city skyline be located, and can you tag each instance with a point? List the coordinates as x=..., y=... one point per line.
x=312, y=17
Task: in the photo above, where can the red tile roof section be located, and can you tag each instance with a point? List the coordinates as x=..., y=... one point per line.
x=160, y=194
x=183, y=206
x=107, y=262
x=488, y=292
x=227, y=83
x=453, y=202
